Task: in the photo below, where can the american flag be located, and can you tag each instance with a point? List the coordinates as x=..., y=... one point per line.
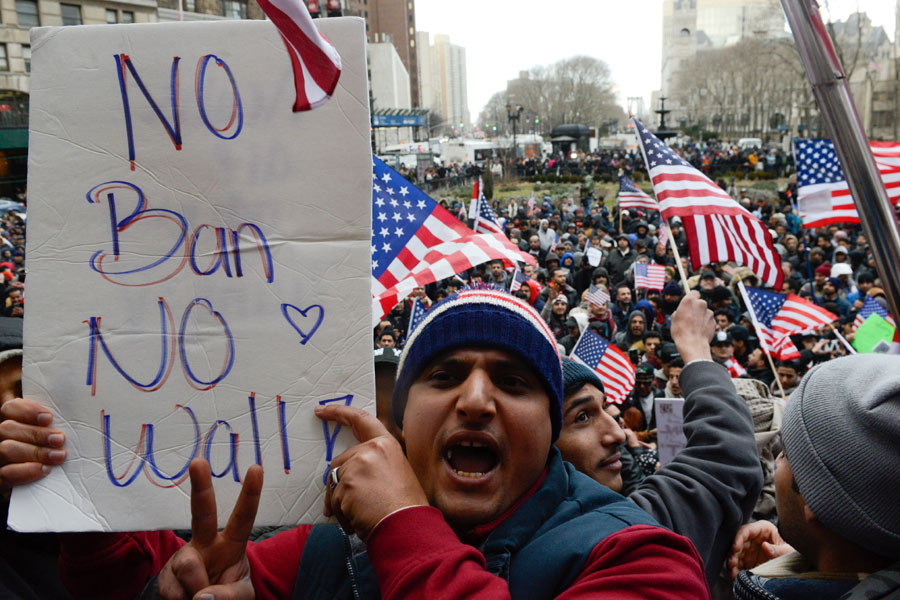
x=631, y=196
x=778, y=316
x=315, y=62
x=872, y=307
x=651, y=277
x=518, y=280
x=615, y=370
x=485, y=220
x=735, y=368
x=596, y=296
x=664, y=234
x=416, y=242
x=416, y=316
x=823, y=196
x=718, y=229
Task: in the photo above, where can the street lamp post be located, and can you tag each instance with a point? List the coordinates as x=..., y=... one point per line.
x=513, y=113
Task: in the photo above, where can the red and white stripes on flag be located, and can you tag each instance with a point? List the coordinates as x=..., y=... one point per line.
x=316, y=63
x=485, y=219
x=419, y=264
x=631, y=196
x=823, y=195
x=664, y=234
x=596, y=296
x=416, y=241
x=735, y=368
x=776, y=317
x=611, y=365
x=717, y=228
x=651, y=277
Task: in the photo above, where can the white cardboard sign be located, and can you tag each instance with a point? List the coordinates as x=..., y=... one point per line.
x=670, y=428
x=199, y=274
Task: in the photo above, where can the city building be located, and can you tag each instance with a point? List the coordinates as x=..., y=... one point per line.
x=18, y=16
x=442, y=77
x=208, y=10
x=692, y=26
x=874, y=75
x=392, y=21
x=389, y=89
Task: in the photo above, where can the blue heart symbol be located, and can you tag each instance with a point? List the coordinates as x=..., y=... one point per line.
x=304, y=337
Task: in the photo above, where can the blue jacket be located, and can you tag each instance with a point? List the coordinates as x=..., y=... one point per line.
x=540, y=549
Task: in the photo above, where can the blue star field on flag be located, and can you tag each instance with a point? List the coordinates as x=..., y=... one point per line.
x=765, y=304
x=416, y=316
x=871, y=307
x=487, y=212
x=658, y=153
x=398, y=210
x=817, y=162
x=626, y=185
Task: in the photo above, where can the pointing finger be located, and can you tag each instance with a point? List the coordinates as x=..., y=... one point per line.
x=364, y=425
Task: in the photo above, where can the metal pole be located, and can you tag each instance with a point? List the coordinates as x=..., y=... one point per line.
x=836, y=106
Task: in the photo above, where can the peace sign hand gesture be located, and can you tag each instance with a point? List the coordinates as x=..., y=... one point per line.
x=214, y=564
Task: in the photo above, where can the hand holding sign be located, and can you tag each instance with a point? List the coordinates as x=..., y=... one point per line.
x=374, y=478
x=28, y=446
x=214, y=562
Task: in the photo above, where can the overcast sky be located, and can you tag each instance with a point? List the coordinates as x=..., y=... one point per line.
x=503, y=37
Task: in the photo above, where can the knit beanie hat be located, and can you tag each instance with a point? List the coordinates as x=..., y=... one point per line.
x=840, y=433
x=482, y=317
x=576, y=374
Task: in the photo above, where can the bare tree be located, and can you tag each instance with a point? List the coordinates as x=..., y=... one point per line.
x=574, y=90
x=759, y=84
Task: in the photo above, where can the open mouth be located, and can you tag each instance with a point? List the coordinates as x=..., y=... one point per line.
x=471, y=459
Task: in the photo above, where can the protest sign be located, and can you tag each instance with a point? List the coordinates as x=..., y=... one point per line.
x=199, y=274
x=669, y=428
x=594, y=257
x=873, y=330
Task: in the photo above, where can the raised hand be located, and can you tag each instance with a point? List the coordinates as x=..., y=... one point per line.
x=693, y=326
x=374, y=477
x=214, y=564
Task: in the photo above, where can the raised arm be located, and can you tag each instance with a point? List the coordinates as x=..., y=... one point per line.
x=708, y=491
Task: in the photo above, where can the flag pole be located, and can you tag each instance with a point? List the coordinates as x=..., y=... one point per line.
x=844, y=341
x=832, y=93
x=684, y=281
x=677, y=254
x=762, y=345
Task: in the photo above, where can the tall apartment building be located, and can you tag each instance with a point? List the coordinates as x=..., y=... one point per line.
x=442, y=77
x=391, y=21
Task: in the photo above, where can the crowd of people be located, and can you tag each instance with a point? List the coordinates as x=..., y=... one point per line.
x=719, y=160
x=12, y=265
x=497, y=466
x=832, y=267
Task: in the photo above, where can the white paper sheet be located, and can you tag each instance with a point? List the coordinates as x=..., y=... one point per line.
x=273, y=206
x=670, y=438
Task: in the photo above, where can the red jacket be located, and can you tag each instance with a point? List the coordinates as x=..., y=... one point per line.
x=415, y=555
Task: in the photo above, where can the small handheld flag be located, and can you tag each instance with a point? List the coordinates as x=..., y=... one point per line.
x=615, y=370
